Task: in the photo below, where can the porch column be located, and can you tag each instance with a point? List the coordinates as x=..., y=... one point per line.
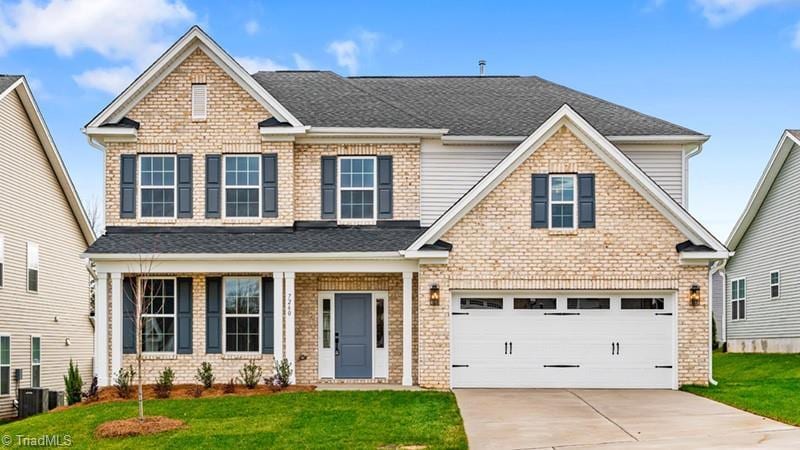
x=290, y=315
x=407, y=339
x=101, y=329
x=278, y=332
x=116, y=322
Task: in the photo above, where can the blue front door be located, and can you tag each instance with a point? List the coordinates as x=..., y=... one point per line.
x=353, y=337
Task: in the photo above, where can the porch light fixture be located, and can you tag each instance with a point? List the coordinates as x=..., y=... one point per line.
x=434, y=301
x=694, y=295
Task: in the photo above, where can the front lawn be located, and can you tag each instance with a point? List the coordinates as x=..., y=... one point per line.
x=349, y=419
x=765, y=384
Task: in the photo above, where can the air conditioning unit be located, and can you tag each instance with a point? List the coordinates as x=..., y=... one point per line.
x=32, y=401
x=57, y=398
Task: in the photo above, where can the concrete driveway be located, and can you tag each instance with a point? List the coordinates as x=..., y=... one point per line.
x=620, y=419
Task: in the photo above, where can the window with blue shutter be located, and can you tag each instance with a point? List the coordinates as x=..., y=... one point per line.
x=213, y=315
x=328, y=186
x=185, y=186
x=267, y=315
x=184, y=316
x=385, y=193
x=127, y=197
x=269, y=179
x=539, y=189
x=213, y=186
x=128, y=315
x=586, y=208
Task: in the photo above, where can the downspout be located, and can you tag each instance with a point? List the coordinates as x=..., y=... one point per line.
x=711, y=379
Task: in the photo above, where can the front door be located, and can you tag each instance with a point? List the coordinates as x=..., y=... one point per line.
x=353, y=336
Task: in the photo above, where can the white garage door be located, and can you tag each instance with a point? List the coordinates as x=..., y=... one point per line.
x=563, y=340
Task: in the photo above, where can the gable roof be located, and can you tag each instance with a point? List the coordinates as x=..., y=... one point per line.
x=466, y=105
x=193, y=39
x=20, y=85
x=788, y=140
x=611, y=155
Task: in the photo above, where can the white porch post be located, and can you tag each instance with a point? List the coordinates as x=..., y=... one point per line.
x=290, y=315
x=407, y=339
x=278, y=298
x=116, y=322
x=101, y=329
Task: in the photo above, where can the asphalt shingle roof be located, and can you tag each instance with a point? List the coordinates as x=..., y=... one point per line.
x=8, y=80
x=467, y=106
x=796, y=133
x=132, y=240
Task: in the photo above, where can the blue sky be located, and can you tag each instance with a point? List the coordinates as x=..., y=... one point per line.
x=728, y=68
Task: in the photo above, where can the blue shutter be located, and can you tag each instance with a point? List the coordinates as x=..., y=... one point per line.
x=269, y=180
x=267, y=315
x=185, y=186
x=127, y=195
x=213, y=186
x=128, y=316
x=213, y=315
x=184, y=316
x=328, y=187
x=385, y=187
x=586, y=200
x=539, y=201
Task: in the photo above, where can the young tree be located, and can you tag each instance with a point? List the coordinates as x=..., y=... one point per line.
x=140, y=285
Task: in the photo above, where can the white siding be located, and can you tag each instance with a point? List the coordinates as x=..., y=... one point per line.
x=449, y=171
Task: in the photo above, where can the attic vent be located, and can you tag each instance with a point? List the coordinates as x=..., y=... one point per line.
x=482, y=66
x=199, y=101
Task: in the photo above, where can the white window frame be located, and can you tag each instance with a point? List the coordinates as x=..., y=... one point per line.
x=225, y=316
x=738, y=299
x=204, y=115
x=32, y=249
x=339, y=190
x=771, y=285
x=34, y=363
x=2, y=260
x=174, y=186
x=551, y=202
x=225, y=187
x=4, y=335
x=174, y=315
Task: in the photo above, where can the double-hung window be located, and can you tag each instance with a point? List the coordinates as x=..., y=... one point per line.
x=242, y=190
x=775, y=284
x=357, y=188
x=5, y=364
x=36, y=361
x=562, y=201
x=242, y=314
x=158, y=315
x=157, y=185
x=33, y=267
x=738, y=297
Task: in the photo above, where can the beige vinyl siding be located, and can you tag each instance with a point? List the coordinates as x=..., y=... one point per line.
x=771, y=243
x=449, y=171
x=33, y=208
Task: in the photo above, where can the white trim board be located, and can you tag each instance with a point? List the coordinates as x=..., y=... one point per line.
x=610, y=154
x=779, y=155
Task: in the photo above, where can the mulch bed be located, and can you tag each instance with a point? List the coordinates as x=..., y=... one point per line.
x=135, y=427
x=183, y=391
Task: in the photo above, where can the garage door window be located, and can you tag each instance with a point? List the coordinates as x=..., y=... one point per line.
x=642, y=303
x=534, y=303
x=588, y=303
x=482, y=303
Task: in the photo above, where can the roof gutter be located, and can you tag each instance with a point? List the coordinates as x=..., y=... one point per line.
x=375, y=131
x=698, y=139
x=433, y=254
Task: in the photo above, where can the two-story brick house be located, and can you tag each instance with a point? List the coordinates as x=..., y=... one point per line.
x=440, y=231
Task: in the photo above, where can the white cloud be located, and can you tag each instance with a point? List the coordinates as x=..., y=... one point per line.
x=111, y=79
x=301, y=62
x=251, y=27
x=722, y=12
x=255, y=64
x=346, y=53
x=796, y=41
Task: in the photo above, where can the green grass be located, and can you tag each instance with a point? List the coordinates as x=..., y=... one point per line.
x=352, y=419
x=765, y=384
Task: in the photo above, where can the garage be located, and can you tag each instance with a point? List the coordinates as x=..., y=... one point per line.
x=564, y=340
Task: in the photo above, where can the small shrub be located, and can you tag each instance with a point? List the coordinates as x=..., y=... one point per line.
x=272, y=383
x=283, y=372
x=123, y=382
x=73, y=383
x=91, y=394
x=205, y=375
x=230, y=386
x=196, y=390
x=163, y=387
x=251, y=374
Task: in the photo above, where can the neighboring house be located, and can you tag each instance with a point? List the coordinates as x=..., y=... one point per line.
x=717, y=303
x=44, y=282
x=439, y=231
x=762, y=286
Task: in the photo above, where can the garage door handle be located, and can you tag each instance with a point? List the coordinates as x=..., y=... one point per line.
x=510, y=348
x=506, y=350
x=612, y=348
x=617, y=348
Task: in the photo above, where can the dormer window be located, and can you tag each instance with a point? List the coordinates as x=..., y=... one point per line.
x=199, y=101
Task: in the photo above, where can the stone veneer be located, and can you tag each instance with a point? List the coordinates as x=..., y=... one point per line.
x=494, y=247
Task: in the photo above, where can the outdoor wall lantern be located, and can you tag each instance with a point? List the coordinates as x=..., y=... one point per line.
x=694, y=295
x=434, y=295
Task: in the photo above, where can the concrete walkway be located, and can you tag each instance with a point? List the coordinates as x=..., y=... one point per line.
x=580, y=419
